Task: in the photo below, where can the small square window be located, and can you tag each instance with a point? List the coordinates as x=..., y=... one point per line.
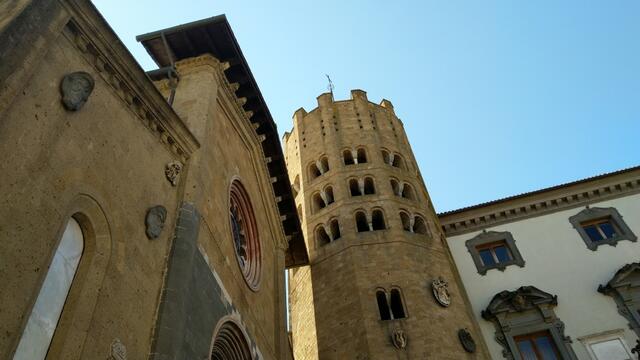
x=599, y=226
x=609, y=345
x=600, y=229
x=494, y=253
x=494, y=250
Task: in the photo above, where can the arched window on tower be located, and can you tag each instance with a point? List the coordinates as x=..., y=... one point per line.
x=395, y=186
x=361, y=222
x=362, y=155
x=406, y=221
x=383, y=305
x=328, y=191
x=322, y=238
x=335, y=229
x=354, y=187
x=318, y=203
x=398, y=161
x=44, y=317
x=324, y=161
x=314, y=172
x=348, y=157
x=377, y=220
x=397, y=306
x=419, y=225
x=369, y=187
x=296, y=186
x=407, y=192
x=385, y=156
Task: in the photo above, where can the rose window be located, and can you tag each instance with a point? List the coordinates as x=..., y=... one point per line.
x=245, y=234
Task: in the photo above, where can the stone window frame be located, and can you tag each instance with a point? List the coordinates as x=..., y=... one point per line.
x=624, y=288
x=526, y=310
x=589, y=340
x=487, y=237
x=623, y=232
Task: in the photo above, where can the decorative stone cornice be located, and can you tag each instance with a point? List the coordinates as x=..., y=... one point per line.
x=524, y=298
x=580, y=193
x=163, y=123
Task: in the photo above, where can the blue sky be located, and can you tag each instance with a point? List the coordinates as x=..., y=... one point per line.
x=497, y=97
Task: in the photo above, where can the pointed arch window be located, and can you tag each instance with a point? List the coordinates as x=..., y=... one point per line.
x=47, y=309
x=390, y=305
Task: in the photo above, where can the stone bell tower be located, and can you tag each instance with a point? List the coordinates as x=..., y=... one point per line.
x=381, y=283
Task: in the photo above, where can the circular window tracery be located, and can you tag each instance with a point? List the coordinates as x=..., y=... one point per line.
x=245, y=234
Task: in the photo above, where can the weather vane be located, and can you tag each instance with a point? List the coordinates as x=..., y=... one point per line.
x=330, y=87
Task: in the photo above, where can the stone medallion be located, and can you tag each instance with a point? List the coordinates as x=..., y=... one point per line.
x=440, y=291
x=154, y=221
x=172, y=172
x=75, y=89
x=399, y=339
x=467, y=341
x=118, y=351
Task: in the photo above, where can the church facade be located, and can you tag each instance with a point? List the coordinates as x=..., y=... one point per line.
x=144, y=215
x=153, y=215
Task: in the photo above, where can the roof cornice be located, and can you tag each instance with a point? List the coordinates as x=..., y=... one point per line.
x=579, y=193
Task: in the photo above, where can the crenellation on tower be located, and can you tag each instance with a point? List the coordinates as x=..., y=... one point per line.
x=368, y=225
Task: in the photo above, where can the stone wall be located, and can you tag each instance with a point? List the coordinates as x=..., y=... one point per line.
x=104, y=164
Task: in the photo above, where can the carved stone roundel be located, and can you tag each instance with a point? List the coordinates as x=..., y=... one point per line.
x=118, y=350
x=440, y=290
x=466, y=340
x=75, y=89
x=399, y=339
x=154, y=221
x=172, y=172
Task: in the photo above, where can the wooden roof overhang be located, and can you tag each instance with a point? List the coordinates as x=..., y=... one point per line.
x=214, y=36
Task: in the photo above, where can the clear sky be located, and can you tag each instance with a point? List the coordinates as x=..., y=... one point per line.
x=497, y=97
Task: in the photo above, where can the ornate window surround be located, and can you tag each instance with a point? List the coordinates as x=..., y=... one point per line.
x=623, y=232
x=624, y=288
x=487, y=237
x=524, y=311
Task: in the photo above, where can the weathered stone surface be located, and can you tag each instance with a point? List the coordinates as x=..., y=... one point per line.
x=75, y=89
x=154, y=221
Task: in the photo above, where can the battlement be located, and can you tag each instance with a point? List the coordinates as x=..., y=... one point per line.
x=327, y=104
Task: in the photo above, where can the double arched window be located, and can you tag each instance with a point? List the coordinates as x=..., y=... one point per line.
x=402, y=189
x=362, y=186
x=44, y=317
x=390, y=305
x=354, y=156
x=393, y=159
x=373, y=223
x=323, y=198
x=413, y=223
x=318, y=167
x=326, y=233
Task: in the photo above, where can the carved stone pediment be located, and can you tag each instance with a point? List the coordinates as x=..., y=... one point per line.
x=628, y=275
x=524, y=298
x=624, y=288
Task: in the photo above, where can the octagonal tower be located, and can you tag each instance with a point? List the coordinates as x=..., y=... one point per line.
x=375, y=244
